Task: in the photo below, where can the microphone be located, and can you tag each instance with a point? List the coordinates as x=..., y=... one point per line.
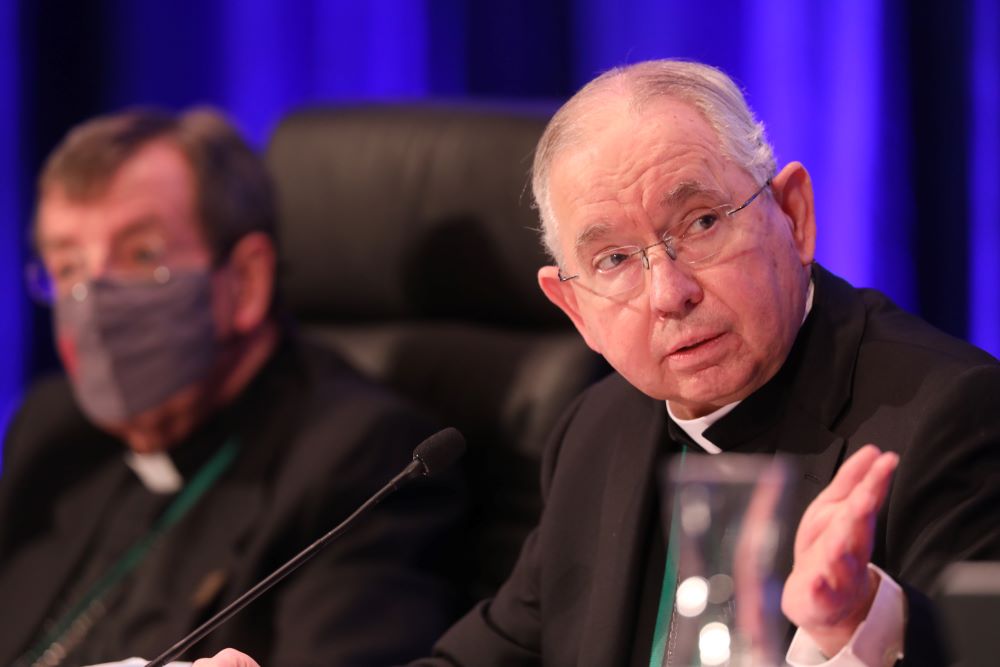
x=430, y=457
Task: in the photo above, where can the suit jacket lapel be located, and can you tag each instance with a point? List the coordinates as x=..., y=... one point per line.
x=822, y=373
x=219, y=525
x=813, y=465
x=224, y=523
x=608, y=627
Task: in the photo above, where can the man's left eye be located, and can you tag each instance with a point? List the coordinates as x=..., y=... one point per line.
x=145, y=256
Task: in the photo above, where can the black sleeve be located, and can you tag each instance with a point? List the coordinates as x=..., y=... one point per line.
x=923, y=644
x=943, y=507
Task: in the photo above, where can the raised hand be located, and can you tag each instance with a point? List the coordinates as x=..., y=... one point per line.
x=830, y=590
x=228, y=657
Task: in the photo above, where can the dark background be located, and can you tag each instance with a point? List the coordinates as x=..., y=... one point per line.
x=892, y=105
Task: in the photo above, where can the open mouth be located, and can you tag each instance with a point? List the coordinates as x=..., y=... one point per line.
x=696, y=345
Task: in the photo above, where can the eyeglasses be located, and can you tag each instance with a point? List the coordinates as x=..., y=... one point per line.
x=698, y=239
x=67, y=273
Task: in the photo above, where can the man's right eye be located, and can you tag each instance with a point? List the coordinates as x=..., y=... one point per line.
x=65, y=272
x=612, y=260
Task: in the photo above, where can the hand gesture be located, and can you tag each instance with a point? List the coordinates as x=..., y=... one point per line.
x=228, y=657
x=830, y=590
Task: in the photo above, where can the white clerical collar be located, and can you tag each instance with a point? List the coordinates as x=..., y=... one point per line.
x=157, y=471
x=695, y=428
x=809, y=301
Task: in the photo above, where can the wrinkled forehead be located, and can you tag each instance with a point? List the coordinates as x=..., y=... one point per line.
x=612, y=137
x=656, y=158
x=612, y=114
x=154, y=188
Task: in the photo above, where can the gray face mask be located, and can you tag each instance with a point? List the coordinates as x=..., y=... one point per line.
x=128, y=347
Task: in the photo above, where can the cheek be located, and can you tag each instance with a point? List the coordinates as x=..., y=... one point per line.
x=66, y=346
x=766, y=315
x=613, y=326
x=625, y=339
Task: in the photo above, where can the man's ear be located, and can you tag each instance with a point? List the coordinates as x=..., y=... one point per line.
x=562, y=294
x=793, y=192
x=252, y=267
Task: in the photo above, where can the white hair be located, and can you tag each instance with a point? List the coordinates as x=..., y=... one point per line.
x=707, y=89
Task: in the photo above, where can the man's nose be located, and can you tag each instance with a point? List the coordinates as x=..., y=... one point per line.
x=673, y=287
x=96, y=262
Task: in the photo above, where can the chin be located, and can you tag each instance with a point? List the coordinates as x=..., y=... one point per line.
x=151, y=431
x=116, y=427
x=707, y=390
x=144, y=442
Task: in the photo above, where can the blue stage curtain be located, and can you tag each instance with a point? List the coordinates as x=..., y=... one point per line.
x=983, y=139
x=12, y=305
x=892, y=106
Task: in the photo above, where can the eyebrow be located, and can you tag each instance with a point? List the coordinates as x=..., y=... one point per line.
x=686, y=190
x=680, y=193
x=136, y=226
x=59, y=243
x=130, y=228
x=596, y=231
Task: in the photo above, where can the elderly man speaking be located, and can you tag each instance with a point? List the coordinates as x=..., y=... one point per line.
x=686, y=259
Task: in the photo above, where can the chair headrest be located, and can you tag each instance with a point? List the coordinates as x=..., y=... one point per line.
x=410, y=212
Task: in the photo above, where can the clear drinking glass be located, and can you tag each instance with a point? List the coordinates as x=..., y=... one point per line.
x=725, y=518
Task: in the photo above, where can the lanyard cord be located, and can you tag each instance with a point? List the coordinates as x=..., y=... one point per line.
x=665, y=611
x=72, y=626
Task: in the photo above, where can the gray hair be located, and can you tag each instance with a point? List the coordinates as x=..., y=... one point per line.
x=707, y=89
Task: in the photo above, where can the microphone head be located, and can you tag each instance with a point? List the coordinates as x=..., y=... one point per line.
x=440, y=450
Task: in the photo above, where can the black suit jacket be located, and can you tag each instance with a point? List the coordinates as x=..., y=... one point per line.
x=861, y=371
x=316, y=440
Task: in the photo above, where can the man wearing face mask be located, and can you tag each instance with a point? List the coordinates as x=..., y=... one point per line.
x=194, y=444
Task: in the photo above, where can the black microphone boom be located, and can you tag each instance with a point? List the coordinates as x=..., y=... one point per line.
x=430, y=457
x=439, y=451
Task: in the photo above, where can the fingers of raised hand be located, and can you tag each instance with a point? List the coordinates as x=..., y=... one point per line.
x=850, y=474
x=870, y=492
x=858, y=489
x=227, y=657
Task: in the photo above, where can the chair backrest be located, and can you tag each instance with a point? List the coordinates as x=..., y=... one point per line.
x=409, y=243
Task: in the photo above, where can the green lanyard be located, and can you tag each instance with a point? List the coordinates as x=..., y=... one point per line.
x=71, y=627
x=664, y=614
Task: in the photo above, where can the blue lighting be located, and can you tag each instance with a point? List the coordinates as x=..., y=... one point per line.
x=829, y=79
x=277, y=55
x=11, y=221
x=984, y=183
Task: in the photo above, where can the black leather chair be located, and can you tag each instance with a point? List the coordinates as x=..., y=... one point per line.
x=409, y=243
